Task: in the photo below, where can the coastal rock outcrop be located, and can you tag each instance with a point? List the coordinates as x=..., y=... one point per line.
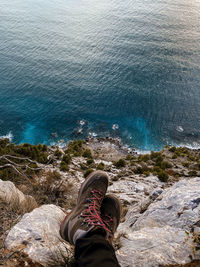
x=134, y=188
x=37, y=234
x=165, y=233
x=161, y=235
x=159, y=193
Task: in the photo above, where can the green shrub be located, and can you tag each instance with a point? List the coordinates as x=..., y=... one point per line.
x=57, y=153
x=177, y=153
x=198, y=163
x=138, y=170
x=163, y=176
x=21, y=152
x=34, y=152
x=43, y=158
x=192, y=173
x=145, y=157
x=33, y=165
x=120, y=163
x=42, y=147
x=4, y=142
x=128, y=157
x=4, y=174
x=146, y=173
x=100, y=166
x=159, y=160
x=30, y=172
x=75, y=148
x=64, y=167
x=186, y=164
x=172, y=149
x=88, y=172
x=174, y=156
x=90, y=161
x=191, y=157
x=166, y=165
x=182, y=151
x=154, y=155
x=157, y=169
x=67, y=158
x=87, y=154
x=33, y=169
x=83, y=166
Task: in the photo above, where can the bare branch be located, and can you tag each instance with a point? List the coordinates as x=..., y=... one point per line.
x=15, y=157
x=17, y=171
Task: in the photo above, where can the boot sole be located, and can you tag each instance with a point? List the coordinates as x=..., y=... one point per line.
x=87, y=182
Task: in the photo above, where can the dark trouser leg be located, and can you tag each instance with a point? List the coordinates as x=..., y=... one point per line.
x=94, y=251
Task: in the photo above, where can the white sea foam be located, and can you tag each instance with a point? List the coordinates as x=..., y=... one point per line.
x=82, y=122
x=179, y=129
x=61, y=143
x=52, y=143
x=93, y=134
x=195, y=145
x=8, y=135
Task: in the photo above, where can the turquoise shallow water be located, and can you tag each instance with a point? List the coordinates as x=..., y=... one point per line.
x=135, y=64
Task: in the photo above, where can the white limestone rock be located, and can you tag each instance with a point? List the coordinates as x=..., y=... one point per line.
x=159, y=236
x=151, y=247
x=135, y=189
x=10, y=195
x=38, y=233
x=178, y=206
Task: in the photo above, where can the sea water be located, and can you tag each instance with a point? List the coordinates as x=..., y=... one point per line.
x=120, y=68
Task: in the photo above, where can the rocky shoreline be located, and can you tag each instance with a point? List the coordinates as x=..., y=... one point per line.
x=160, y=193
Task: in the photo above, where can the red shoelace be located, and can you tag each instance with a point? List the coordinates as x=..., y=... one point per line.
x=92, y=212
x=107, y=221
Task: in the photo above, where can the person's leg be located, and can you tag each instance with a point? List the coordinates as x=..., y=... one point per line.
x=92, y=223
x=95, y=251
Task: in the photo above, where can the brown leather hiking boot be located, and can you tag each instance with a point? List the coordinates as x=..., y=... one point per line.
x=110, y=213
x=85, y=217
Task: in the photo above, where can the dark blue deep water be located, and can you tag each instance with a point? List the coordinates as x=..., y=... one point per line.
x=134, y=63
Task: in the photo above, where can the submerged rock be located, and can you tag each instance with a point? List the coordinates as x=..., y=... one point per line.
x=163, y=234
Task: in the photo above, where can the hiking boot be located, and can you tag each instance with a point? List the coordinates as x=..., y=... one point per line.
x=110, y=213
x=85, y=217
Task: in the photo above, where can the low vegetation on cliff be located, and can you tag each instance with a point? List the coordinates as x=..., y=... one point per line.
x=52, y=175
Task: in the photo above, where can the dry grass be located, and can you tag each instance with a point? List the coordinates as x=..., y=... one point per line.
x=16, y=259
x=63, y=257
x=19, y=206
x=8, y=218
